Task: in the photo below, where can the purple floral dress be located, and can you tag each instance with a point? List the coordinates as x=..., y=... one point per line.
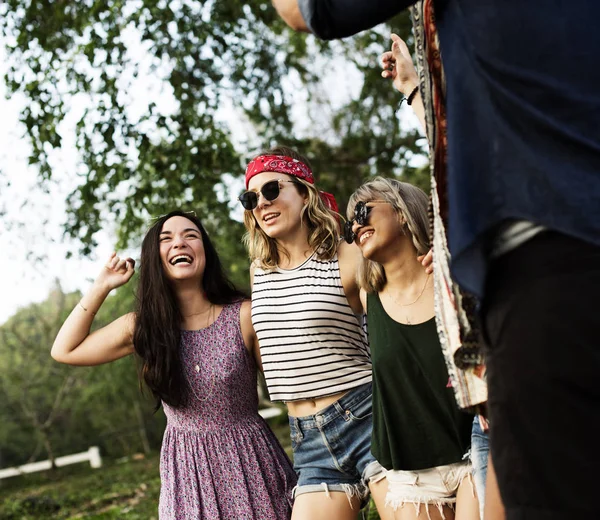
x=219, y=458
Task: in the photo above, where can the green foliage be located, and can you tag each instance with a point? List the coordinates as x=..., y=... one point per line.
x=51, y=409
x=155, y=87
x=116, y=491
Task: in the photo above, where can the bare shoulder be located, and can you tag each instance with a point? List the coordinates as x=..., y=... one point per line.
x=349, y=253
x=349, y=256
x=246, y=311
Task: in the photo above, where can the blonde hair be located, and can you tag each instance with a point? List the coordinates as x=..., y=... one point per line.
x=322, y=223
x=411, y=205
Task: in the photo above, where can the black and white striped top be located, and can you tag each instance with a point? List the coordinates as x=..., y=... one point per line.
x=311, y=343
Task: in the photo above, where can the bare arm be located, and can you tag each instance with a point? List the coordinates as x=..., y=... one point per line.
x=289, y=11
x=74, y=345
x=250, y=339
x=398, y=67
x=363, y=300
x=349, y=256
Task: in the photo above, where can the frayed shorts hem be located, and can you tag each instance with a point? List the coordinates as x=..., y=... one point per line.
x=359, y=490
x=436, y=502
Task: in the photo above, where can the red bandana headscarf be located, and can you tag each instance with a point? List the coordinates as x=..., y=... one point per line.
x=290, y=166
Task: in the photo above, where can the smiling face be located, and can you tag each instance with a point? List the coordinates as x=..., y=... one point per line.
x=181, y=249
x=282, y=216
x=383, y=232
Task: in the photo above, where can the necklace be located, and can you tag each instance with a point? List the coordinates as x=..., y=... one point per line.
x=198, y=313
x=414, y=301
x=193, y=380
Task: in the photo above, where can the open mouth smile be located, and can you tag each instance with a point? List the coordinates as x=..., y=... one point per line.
x=181, y=259
x=269, y=217
x=364, y=236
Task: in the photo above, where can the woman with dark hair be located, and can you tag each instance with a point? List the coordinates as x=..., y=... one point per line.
x=193, y=334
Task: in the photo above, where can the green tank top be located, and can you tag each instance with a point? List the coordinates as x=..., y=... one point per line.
x=416, y=421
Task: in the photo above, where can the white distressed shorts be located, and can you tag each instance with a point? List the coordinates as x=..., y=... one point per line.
x=434, y=486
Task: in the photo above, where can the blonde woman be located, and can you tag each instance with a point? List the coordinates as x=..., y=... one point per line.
x=419, y=434
x=308, y=318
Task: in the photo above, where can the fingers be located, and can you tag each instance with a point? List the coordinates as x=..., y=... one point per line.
x=387, y=60
x=427, y=261
x=399, y=45
x=428, y=258
x=113, y=260
x=130, y=267
x=120, y=265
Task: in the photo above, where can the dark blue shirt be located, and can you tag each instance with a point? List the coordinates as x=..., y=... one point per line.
x=523, y=108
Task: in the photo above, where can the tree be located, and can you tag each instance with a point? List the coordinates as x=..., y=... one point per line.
x=197, y=63
x=51, y=409
x=35, y=390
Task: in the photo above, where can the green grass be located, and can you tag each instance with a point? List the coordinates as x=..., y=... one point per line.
x=129, y=490
x=123, y=491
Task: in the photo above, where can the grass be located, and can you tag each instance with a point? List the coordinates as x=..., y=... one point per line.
x=123, y=491
x=116, y=491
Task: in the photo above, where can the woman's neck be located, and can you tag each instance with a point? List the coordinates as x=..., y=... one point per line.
x=293, y=252
x=192, y=301
x=403, y=271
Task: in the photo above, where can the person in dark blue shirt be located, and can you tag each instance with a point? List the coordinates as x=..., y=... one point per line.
x=523, y=188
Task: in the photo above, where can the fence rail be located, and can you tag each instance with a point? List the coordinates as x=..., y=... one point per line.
x=92, y=455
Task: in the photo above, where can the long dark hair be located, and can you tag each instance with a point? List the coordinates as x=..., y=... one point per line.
x=157, y=331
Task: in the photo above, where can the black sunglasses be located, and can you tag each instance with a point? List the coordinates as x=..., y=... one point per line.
x=361, y=217
x=270, y=191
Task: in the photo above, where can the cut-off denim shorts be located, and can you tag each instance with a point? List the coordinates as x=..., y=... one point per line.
x=332, y=449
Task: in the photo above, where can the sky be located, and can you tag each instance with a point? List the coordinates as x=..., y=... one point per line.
x=23, y=280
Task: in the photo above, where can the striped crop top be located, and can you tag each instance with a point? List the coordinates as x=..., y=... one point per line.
x=311, y=342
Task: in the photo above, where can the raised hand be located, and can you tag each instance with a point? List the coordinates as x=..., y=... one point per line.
x=398, y=66
x=117, y=271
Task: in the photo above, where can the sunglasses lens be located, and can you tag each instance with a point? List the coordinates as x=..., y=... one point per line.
x=249, y=200
x=361, y=213
x=270, y=190
x=349, y=235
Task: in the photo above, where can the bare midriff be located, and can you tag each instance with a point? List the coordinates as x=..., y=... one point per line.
x=311, y=406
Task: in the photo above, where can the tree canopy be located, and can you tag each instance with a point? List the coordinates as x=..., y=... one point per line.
x=170, y=97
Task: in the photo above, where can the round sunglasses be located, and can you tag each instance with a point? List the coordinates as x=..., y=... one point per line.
x=361, y=217
x=270, y=191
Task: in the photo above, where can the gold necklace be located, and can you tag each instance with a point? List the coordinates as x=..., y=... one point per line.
x=198, y=313
x=413, y=302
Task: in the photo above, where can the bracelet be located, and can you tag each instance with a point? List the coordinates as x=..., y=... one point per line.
x=412, y=95
x=81, y=305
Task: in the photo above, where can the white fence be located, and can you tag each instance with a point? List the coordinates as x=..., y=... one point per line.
x=93, y=455
x=267, y=413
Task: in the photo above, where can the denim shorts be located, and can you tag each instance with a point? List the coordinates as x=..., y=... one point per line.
x=332, y=449
x=479, y=457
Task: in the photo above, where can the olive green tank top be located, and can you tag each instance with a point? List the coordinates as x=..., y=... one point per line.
x=416, y=421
